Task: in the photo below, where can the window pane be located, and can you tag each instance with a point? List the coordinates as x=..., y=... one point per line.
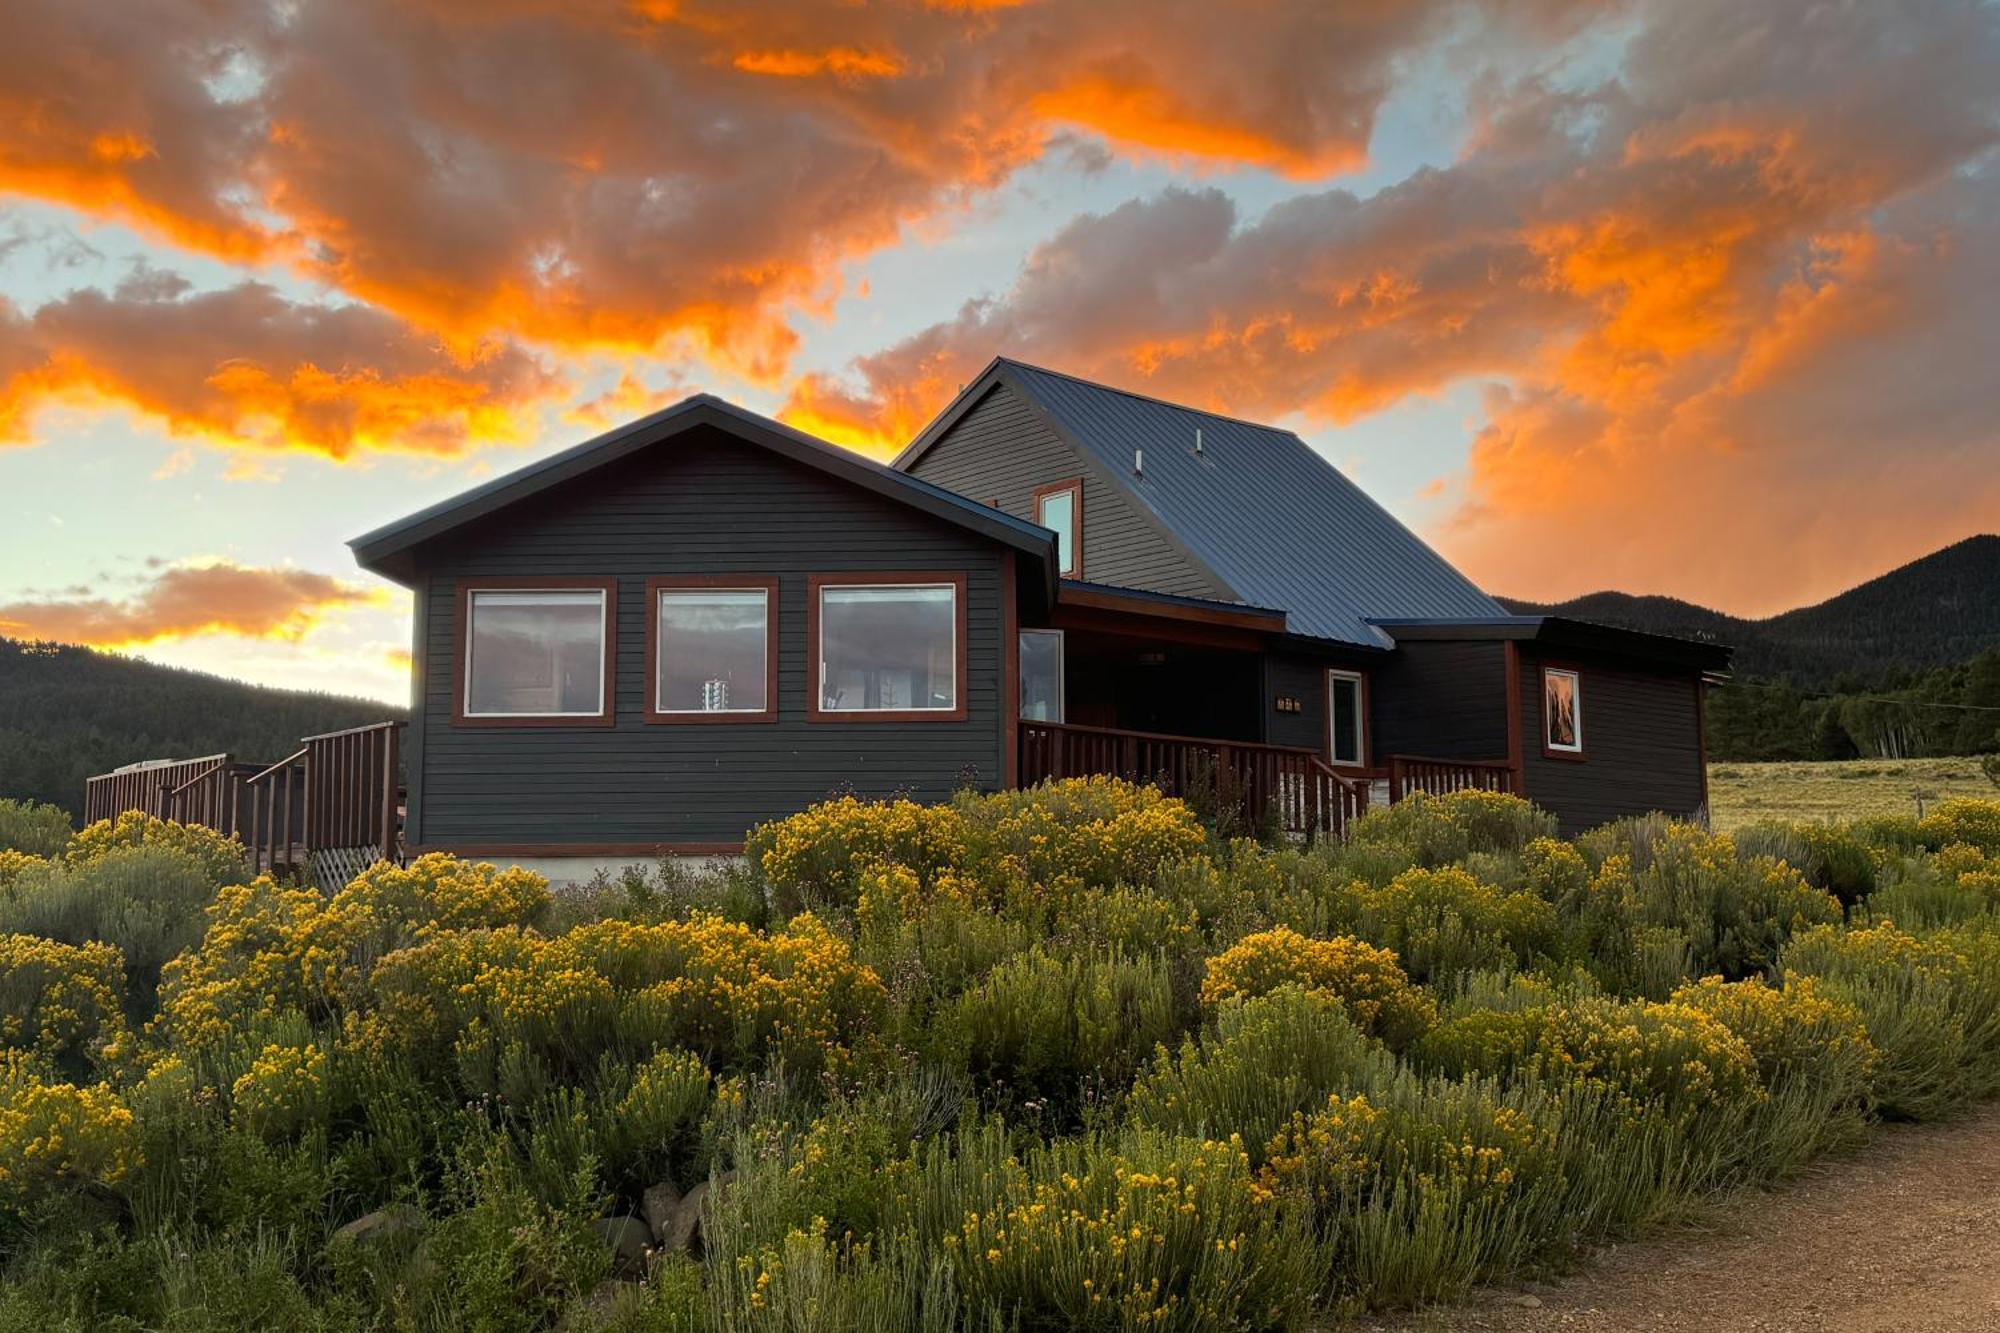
x=1058, y=511
x=711, y=654
x=1041, y=675
x=1346, y=704
x=885, y=647
x=535, y=653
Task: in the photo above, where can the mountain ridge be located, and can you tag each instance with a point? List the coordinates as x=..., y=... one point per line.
x=1937, y=609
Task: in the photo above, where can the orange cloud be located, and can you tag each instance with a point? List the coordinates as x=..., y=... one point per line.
x=1731, y=307
x=184, y=601
x=618, y=175
x=244, y=367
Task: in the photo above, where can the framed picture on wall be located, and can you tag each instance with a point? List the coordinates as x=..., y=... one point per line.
x=1562, y=711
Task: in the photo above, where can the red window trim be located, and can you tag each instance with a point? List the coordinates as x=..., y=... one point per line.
x=462, y=645
x=1579, y=754
x=768, y=584
x=1075, y=569
x=865, y=578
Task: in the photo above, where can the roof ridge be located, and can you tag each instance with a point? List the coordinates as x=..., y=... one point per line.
x=1155, y=399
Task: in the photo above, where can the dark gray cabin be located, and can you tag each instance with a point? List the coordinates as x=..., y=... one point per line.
x=661, y=637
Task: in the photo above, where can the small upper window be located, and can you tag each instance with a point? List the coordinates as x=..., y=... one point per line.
x=1562, y=711
x=535, y=652
x=1060, y=507
x=888, y=648
x=712, y=652
x=1346, y=724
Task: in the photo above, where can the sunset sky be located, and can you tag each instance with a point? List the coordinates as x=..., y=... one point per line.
x=1698, y=297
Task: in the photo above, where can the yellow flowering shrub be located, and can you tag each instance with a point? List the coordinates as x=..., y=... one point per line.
x=268, y=948
x=816, y=857
x=1557, y=871
x=13, y=864
x=221, y=858
x=703, y=983
x=59, y=1134
x=1788, y=1029
x=1368, y=980
x=1963, y=820
x=61, y=1001
x=1670, y=1055
x=259, y=956
x=1095, y=832
x=286, y=1089
x=1324, y=1154
x=1444, y=923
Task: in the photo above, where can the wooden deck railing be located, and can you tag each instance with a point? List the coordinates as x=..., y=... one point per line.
x=192, y=791
x=1306, y=795
x=329, y=809
x=1437, y=777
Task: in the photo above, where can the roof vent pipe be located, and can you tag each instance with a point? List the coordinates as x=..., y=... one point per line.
x=1138, y=462
x=1197, y=440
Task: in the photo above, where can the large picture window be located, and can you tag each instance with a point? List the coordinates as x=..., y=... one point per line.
x=1041, y=660
x=889, y=646
x=1346, y=718
x=1562, y=712
x=535, y=654
x=712, y=650
x=1060, y=507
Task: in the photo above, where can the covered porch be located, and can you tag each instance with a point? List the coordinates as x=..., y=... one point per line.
x=1214, y=702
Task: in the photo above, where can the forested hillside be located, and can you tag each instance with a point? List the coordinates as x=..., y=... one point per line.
x=67, y=713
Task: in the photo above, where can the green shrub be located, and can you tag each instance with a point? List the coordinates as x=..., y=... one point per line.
x=1056, y=1030
x=1128, y=1231
x=33, y=829
x=1928, y=1007
x=1731, y=915
x=1265, y=1058
x=1832, y=857
x=148, y=901
x=654, y=1123
x=1444, y=923
x=1432, y=831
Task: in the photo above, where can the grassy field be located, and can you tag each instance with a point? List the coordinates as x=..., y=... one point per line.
x=1740, y=794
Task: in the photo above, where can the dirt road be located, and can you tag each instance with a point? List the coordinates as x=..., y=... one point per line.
x=1901, y=1238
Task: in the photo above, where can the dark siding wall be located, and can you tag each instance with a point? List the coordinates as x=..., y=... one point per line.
x=703, y=504
x=1000, y=452
x=1444, y=699
x=1641, y=737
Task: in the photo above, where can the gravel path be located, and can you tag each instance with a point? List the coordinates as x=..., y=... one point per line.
x=1902, y=1238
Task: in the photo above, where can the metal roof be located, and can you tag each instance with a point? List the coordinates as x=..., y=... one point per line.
x=1273, y=522
x=387, y=550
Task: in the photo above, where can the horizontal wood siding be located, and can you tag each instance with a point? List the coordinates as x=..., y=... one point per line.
x=1000, y=451
x=1298, y=678
x=1446, y=699
x=1641, y=739
x=704, y=504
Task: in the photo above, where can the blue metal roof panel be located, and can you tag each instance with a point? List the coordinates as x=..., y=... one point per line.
x=1276, y=522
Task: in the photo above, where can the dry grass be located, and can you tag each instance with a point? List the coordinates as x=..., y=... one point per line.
x=1740, y=794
